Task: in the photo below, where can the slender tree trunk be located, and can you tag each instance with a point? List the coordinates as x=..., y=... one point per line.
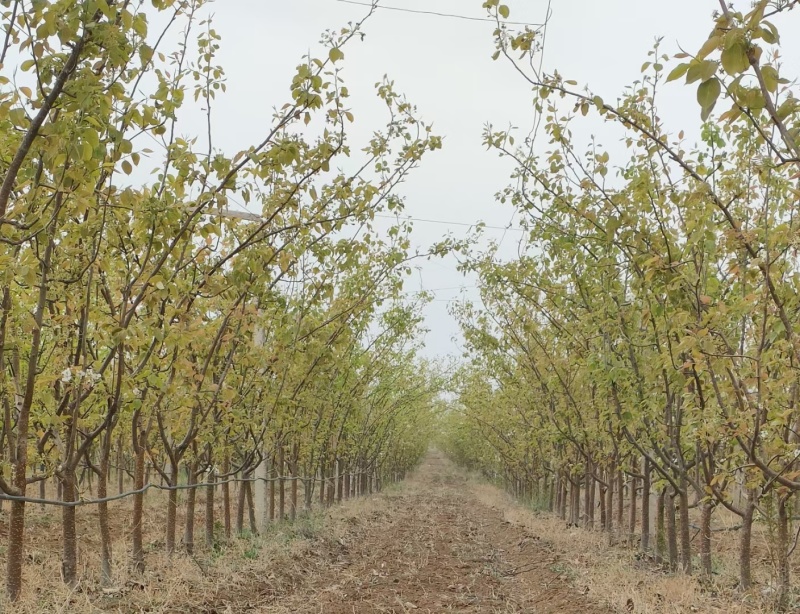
x=69, y=560
x=191, y=499
x=293, y=502
x=120, y=467
x=634, y=487
x=226, y=495
x=610, y=504
x=281, y=484
x=587, y=496
x=102, y=509
x=172, y=505
x=672, y=532
x=745, y=539
x=339, y=481
x=646, y=471
x=686, y=539
x=782, y=547
x=211, y=478
x=347, y=484
x=705, y=539
x=138, y=504
x=620, y=503
x=661, y=540
x=251, y=508
x=332, y=480
x=603, y=507
x=574, y=500
x=273, y=475
x=241, y=501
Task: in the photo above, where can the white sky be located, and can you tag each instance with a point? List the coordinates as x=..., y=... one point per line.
x=444, y=66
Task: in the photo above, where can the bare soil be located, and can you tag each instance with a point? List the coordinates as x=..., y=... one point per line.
x=432, y=546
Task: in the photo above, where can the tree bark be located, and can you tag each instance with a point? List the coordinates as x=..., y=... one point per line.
x=672, y=532
x=172, y=505
x=782, y=548
x=191, y=499
x=706, y=510
x=634, y=487
x=102, y=509
x=210, y=505
x=745, y=540
x=646, y=471
x=226, y=496
x=661, y=540
x=69, y=560
x=686, y=538
x=138, y=503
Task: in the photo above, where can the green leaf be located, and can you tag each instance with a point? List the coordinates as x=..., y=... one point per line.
x=734, y=59
x=503, y=10
x=707, y=95
x=335, y=54
x=710, y=45
x=770, y=75
x=677, y=72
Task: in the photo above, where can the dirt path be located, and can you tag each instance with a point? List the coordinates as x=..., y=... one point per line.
x=432, y=547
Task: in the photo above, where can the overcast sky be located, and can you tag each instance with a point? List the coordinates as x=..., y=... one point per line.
x=444, y=66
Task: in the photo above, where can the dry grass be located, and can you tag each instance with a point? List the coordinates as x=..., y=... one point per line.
x=335, y=556
x=617, y=576
x=236, y=576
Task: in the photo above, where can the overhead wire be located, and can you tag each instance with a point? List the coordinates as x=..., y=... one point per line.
x=448, y=222
x=437, y=13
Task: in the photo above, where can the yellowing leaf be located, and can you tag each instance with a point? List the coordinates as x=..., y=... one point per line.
x=677, y=72
x=734, y=59
x=335, y=54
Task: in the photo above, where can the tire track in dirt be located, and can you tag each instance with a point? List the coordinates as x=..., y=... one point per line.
x=432, y=547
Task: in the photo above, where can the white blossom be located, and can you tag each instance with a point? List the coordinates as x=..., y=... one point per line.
x=66, y=376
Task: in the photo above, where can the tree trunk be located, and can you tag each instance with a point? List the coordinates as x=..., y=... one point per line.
x=745, y=539
x=251, y=508
x=339, y=481
x=210, y=504
x=332, y=480
x=191, y=499
x=241, y=501
x=705, y=539
x=661, y=540
x=69, y=560
x=588, y=485
x=782, y=548
x=645, y=543
x=686, y=539
x=102, y=509
x=226, y=496
x=273, y=474
x=672, y=532
x=172, y=505
x=138, y=505
x=610, y=504
x=634, y=487
x=120, y=467
x=620, y=503
x=281, y=485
